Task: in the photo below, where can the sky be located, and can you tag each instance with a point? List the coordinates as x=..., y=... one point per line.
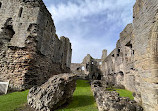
x=91, y=25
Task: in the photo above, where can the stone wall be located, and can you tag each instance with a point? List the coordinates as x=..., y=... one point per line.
x=110, y=100
x=134, y=62
x=145, y=25
x=30, y=50
x=89, y=67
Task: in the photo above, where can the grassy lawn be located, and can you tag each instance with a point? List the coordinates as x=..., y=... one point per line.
x=123, y=92
x=12, y=101
x=83, y=99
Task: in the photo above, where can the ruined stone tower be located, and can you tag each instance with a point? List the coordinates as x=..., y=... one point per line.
x=30, y=50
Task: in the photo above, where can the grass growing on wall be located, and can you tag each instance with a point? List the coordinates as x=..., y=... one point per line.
x=83, y=99
x=123, y=92
x=12, y=101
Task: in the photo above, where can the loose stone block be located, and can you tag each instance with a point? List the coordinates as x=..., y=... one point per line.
x=4, y=87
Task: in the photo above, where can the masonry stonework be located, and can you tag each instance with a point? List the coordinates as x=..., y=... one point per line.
x=134, y=61
x=30, y=50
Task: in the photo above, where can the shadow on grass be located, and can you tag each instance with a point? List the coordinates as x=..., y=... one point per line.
x=78, y=102
x=81, y=101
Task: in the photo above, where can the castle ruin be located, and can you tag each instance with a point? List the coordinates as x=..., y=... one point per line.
x=30, y=50
x=133, y=64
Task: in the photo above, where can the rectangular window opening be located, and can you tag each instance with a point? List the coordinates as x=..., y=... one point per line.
x=20, y=12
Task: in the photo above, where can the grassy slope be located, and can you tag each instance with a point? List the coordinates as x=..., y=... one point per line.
x=123, y=92
x=83, y=99
x=12, y=101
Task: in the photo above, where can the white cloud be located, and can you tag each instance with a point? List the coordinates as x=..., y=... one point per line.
x=75, y=20
x=87, y=8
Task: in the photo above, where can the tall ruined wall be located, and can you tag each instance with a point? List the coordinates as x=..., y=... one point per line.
x=119, y=64
x=145, y=25
x=30, y=50
x=134, y=62
x=126, y=56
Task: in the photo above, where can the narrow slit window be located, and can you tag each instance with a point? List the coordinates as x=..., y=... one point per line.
x=119, y=50
x=0, y=4
x=133, y=52
x=20, y=12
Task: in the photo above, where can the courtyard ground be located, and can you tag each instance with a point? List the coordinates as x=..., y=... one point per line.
x=83, y=100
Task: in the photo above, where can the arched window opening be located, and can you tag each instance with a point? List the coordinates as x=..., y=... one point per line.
x=119, y=50
x=83, y=68
x=20, y=12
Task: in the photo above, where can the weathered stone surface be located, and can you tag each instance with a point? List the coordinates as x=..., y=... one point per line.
x=55, y=92
x=110, y=100
x=30, y=50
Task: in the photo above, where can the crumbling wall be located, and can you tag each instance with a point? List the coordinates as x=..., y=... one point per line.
x=127, y=57
x=90, y=68
x=145, y=25
x=119, y=69
x=77, y=68
x=30, y=50
x=134, y=61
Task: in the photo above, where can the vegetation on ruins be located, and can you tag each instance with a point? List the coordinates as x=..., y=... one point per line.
x=122, y=92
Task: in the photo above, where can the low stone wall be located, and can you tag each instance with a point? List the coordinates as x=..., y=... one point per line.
x=111, y=101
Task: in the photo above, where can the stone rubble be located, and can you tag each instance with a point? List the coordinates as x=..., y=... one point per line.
x=57, y=91
x=111, y=101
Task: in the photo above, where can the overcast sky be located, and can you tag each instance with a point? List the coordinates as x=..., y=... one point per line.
x=91, y=25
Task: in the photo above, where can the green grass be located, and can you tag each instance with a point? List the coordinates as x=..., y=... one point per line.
x=83, y=99
x=12, y=101
x=122, y=92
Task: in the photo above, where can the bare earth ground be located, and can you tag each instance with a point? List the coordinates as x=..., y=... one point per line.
x=25, y=108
